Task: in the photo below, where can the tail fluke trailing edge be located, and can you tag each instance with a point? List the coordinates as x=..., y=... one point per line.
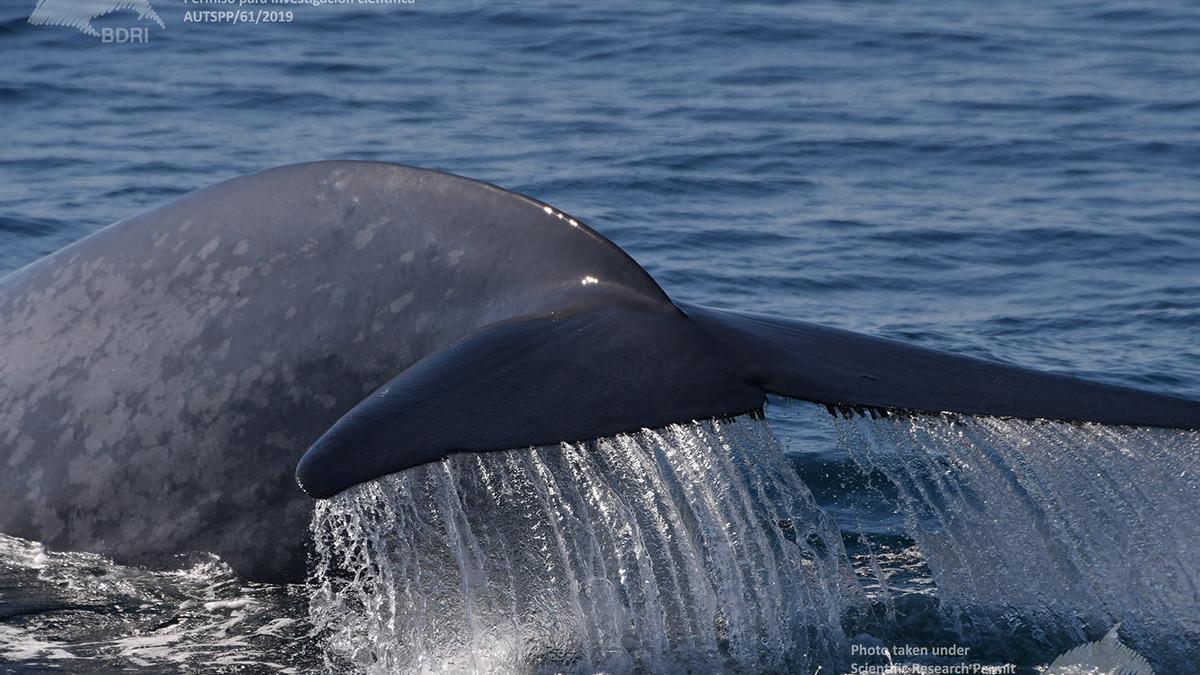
x=841, y=368
x=607, y=367
x=583, y=373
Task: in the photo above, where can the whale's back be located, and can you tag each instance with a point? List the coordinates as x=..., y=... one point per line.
x=160, y=379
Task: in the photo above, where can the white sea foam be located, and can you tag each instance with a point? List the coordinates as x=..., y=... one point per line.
x=82, y=612
x=17, y=645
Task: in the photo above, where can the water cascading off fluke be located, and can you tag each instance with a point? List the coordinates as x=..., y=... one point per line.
x=691, y=546
x=1049, y=530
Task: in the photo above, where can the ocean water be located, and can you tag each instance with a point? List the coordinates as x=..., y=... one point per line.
x=1015, y=180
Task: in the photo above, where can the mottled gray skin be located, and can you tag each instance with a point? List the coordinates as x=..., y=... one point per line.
x=160, y=379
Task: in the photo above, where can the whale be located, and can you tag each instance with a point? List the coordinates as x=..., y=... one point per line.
x=191, y=378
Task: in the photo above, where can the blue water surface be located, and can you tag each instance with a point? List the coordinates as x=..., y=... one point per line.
x=1014, y=180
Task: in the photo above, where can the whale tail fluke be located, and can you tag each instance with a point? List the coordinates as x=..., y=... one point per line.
x=588, y=372
x=610, y=366
x=852, y=371
x=571, y=340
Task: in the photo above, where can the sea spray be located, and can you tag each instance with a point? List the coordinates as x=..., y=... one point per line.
x=1050, y=530
x=694, y=546
x=76, y=612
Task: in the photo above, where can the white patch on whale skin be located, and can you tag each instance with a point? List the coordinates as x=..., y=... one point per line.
x=365, y=235
x=24, y=447
x=223, y=350
x=422, y=321
x=210, y=248
x=398, y=305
